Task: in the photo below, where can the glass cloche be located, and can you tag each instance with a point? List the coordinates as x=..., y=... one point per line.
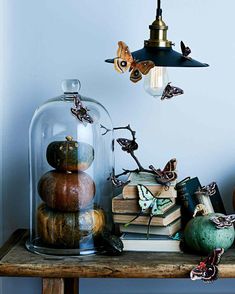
x=70, y=163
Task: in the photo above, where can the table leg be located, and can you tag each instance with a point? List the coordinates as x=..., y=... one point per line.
x=59, y=286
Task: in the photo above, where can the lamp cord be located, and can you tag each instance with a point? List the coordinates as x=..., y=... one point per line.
x=159, y=10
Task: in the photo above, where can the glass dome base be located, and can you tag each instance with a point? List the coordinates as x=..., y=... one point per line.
x=36, y=247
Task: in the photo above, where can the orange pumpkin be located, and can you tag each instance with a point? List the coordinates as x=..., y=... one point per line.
x=68, y=192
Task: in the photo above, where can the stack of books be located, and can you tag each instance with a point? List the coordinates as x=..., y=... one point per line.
x=163, y=226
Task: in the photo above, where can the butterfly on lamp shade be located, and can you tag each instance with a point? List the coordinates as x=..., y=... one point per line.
x=185, y=50
x=167, y=175
x=125, y=61
x=171, y=91
x=127, y=145
x=150, y=204
x=207, y=269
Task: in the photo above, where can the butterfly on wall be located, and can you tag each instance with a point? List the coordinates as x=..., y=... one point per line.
x=125, y=61
x=209, y=190
x=222, y=222
x=80, y=111
x=150, y=204
x=127, y=145
x=167, y=175
x=207, y=269
x=171, y=91
x=185, y=50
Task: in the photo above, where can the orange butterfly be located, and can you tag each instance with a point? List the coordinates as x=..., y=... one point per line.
x=125, y=61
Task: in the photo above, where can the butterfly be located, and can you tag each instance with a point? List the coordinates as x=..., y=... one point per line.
x=118, y=183
x=150, y=204
x=185, y=50
x=168, y=174
x=209, y=190
x=80, y=111
x=127, y=145
x=125, y=61
x=222, y=222
x=207, y=269
x=171, y=91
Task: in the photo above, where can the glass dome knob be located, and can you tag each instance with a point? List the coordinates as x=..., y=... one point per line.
x=71, y=86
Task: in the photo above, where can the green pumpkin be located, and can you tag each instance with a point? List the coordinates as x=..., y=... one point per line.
x=70, y=155
x=202, y=236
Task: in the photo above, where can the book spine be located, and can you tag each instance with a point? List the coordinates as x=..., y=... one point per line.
x=217, y=202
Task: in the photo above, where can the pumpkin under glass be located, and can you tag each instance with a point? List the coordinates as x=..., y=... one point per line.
x=70, y=165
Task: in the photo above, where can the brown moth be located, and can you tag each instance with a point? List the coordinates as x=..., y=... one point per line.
x=125, y=61
x=168, y=174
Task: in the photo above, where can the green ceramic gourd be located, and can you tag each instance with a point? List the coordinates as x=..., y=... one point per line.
x=202, y=236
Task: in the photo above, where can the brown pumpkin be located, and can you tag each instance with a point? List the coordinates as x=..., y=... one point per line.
x=68, y=229
x=66, y=191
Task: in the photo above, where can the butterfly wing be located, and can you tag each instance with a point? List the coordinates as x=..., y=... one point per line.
x=121, y=65
x=124, y=58
x=146, y=198
x=159, y=205
x=136, y=75
x=123, y=142
x=183, y=47
x=123, y=52
x=171, y=165
x=142, y=67
x=145, y=66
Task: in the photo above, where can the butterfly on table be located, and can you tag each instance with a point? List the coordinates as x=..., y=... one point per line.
x=209, y=190
x=167, y=175
x=80, y=111
x=171, y=91
x=150, y=204
x=125, y=61
x=222, y=222
x=207, y=269
x=127, y=145
x=185, y=50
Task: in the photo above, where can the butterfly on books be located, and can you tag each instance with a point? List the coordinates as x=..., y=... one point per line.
x=207, y=269
x=125, y=61
x=185, y=50
x=209, y=190
x=167, y=175
x=171, y=91
x=148, y=201
x=80, y=111
x=150, y=204
x=222, y=222
x=127, y=145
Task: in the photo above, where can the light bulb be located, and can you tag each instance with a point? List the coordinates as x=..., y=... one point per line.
x=156, y=81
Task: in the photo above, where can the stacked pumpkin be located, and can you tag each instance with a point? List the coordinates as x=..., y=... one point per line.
x=67, y=216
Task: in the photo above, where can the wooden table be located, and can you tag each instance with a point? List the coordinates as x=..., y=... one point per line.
x=61, y=275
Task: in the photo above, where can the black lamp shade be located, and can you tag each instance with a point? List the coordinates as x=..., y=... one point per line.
x=164, y=57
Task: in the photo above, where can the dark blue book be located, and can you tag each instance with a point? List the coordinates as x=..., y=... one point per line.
x=185, y=197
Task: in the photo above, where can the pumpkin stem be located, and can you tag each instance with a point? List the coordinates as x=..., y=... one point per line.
x=200, y=208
